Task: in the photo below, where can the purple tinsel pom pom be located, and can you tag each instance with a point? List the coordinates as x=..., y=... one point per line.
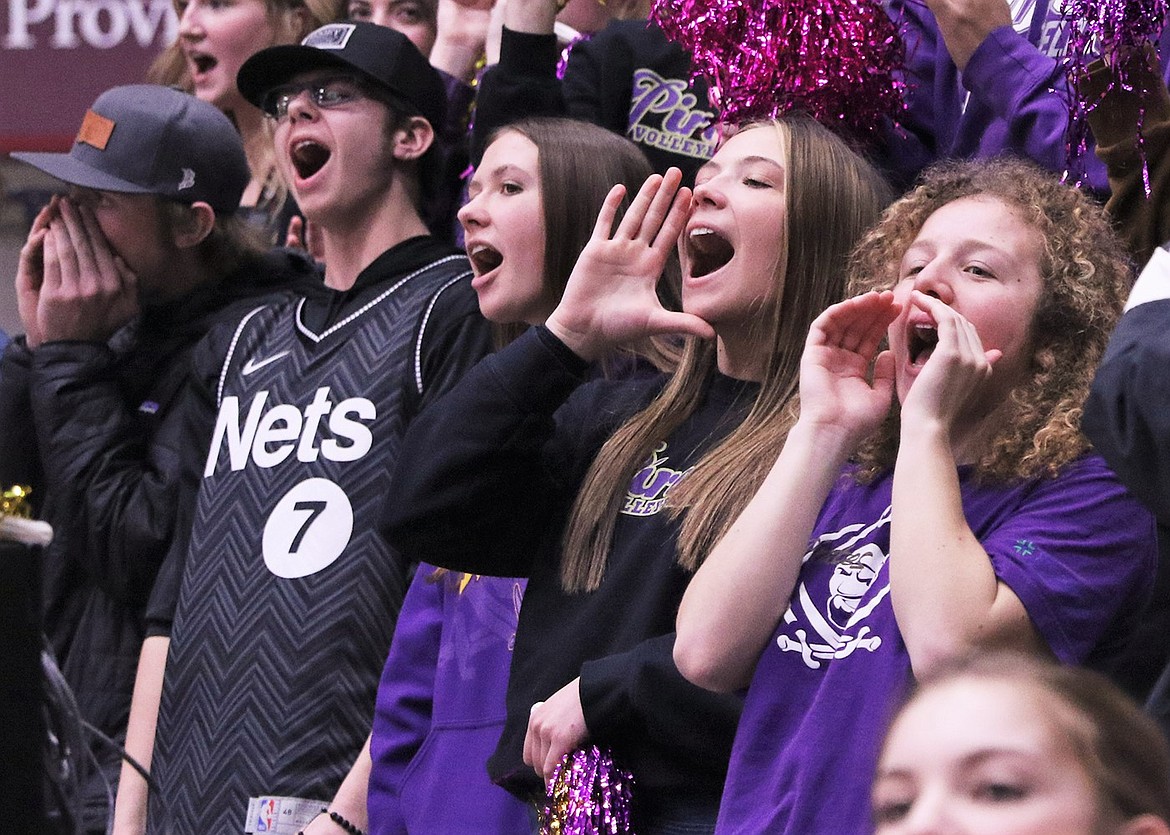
x=1115, y=30
x=1110, y=26
x=834, y=59
x=588, y=795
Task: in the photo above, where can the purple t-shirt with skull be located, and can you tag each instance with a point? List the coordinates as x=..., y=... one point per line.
x=1077, y=550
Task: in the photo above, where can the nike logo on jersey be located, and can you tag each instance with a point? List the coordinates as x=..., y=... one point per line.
x=252, y=366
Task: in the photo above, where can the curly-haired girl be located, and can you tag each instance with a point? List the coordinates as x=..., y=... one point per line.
x=973, y=517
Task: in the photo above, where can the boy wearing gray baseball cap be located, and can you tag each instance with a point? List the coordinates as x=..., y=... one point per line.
x=276, y=634
x=116, y=284
x=148, y=139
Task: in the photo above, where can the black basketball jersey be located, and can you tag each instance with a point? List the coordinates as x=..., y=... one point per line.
x=289, y=595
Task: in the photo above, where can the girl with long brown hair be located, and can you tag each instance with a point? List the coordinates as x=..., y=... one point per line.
x=440, y=706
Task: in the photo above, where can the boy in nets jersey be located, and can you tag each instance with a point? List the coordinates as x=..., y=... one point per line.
x=274, y=620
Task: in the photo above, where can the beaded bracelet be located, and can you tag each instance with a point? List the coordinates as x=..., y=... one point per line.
x=340, y=821
x=344, y=824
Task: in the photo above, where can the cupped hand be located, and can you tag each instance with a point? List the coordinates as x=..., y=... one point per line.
x=845, y=381
x=955, y=376
x=555, y=728
x=610, y=299
x=30, y=273
x=88, y=292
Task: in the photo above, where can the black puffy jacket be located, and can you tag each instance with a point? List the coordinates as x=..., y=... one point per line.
x=93, y=428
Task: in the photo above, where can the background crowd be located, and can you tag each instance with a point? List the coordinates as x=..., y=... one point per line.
x=450, y=424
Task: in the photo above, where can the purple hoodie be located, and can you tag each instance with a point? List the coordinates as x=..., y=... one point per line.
x=440, y=709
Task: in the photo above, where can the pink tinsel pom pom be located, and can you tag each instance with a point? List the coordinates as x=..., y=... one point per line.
x=834, y=59
x=588, y=795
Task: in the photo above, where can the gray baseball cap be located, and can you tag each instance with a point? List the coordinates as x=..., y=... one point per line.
x=149, y=139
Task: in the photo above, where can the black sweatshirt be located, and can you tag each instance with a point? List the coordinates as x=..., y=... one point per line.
x=484, y=484
x=1127, y=417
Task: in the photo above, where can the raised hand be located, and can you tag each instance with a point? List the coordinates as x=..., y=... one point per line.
x=837, y=387
x=462, y=32
x=953, y=382
x=88, y=292
x=610, y=299
x=533, y=16
x=305, y=236
x=964, y=24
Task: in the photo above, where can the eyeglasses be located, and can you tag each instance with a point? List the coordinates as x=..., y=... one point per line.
x=324, y=93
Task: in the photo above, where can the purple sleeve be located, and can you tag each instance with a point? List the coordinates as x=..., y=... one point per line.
x=452, y=151
x=402, y=715
x=1080, y=553
x=460, y=97
x=1027, y=95
x=1011, y=98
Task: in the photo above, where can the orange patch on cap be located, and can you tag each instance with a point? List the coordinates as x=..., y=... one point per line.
x=95, y=130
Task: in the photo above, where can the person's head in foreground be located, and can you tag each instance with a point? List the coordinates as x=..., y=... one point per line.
x=1004, y=744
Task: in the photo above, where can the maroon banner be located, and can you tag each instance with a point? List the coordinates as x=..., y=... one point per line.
x=57, y=56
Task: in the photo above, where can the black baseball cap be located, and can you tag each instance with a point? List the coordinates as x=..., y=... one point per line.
x=382, y=55
x=149, y=139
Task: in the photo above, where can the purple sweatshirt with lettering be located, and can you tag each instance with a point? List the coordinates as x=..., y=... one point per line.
x=628, y=78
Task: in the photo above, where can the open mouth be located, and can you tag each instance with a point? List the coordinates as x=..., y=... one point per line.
x=484, y=259
x=923, y=338
x=203, y=63
x=309, y=157
x=707, y=251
